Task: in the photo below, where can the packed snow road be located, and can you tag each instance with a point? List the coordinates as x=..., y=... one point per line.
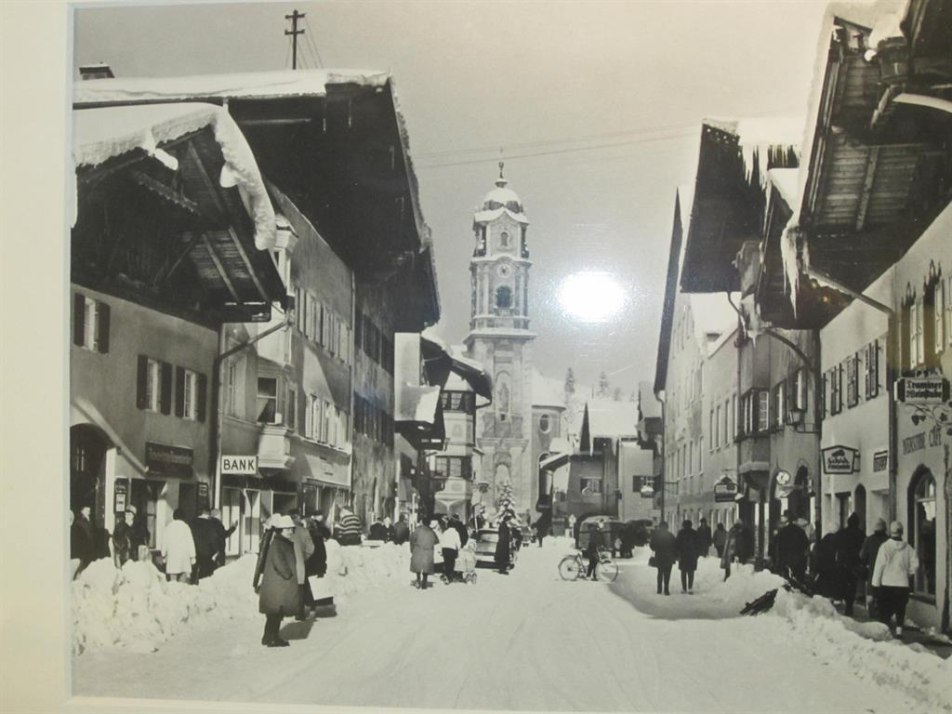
x=530, y=641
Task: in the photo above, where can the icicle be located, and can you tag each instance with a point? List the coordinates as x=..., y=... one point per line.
x=790, y=261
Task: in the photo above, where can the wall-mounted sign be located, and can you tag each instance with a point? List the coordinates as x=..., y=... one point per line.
x=725, y=490
x=922, y=390
x=880, y=460
x=122, y=495
x=840, y=460
x=164, y=460
x=203, y=495
x=239, y=465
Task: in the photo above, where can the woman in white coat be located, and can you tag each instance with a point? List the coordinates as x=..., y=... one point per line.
x=896, y=563
x=178, y=550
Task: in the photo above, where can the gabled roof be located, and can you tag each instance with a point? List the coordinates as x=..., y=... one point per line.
x=648, y=405
x=547, y=392
x=608, y=418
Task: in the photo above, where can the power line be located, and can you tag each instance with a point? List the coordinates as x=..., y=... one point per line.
x=309, y=36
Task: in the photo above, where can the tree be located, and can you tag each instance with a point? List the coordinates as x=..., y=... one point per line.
x=569, y=381
x=505, y=502
x=603, y=386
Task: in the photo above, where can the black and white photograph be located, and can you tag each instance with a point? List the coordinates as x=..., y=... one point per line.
x=484, y=356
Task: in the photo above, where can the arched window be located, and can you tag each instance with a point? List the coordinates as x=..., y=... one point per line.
x=503, y=297
x=504, y=239
x=922, y=510
x=545, y=425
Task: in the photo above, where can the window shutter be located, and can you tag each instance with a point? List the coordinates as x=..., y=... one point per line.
x=102, y=317
x=79, y=319
x=202, y=396
x=165, y=387
x=142, y=376
x=179, y=391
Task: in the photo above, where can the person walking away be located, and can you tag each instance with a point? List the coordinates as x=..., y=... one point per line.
x=378, y=531
x=867, y=556
x=450, y=545
x=591, y=549
x=719, y=538
x=688, y=549
x=122, y=539
x=824, y=566
x=178, y=550
x=348, y=530
x=422, y=542
x=896, y=563
x=401, y=531
x=792, y=549
x=206, y=544
x=276, y=580
x=541, y=528
x=663, y=545
x=503, y=546
x=222, y=535
x=847, y=544
x=703, y=537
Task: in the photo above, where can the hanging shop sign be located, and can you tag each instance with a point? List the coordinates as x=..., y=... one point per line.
x=922, y=391
x=880, y=460
x=840, y=460
x=122, y=495
x=239, y=465
x=725, y=490
x=165, y=460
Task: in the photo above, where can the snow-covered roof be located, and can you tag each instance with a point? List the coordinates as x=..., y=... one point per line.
x=492, y=215
x=248, y=85
x=648, y=403
x=546, y=392
x=757, y=137
x=107, y=132
x=607, y=417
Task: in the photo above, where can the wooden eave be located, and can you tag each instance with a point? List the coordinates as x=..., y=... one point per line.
x=670, y=295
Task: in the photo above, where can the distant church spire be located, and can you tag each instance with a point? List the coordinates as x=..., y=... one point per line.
x=501, y=181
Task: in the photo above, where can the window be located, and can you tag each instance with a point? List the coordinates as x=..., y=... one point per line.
x=154, y=385
x=716, y=439
x=836, y=385
x=852, y=380
x=453, y=467
x=726, y=434
x=799, y=391
x=186, y=394
x=290, y=418
x=504, y=297
x=590, y=486
x=267, y=405
x=710, y=426
x=504, y=239
x=871, y=369
x=779, y=394
x=916, y=335
x=923, y=536
x=763, y=414
x=90, y=323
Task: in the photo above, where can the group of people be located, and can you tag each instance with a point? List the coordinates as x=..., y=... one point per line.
x=446, y=536
x=684, y=549
x=292, y=552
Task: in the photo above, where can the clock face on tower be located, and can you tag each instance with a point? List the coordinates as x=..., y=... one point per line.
x=504, y=270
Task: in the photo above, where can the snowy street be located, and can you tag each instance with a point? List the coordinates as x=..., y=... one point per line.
x=529, y=641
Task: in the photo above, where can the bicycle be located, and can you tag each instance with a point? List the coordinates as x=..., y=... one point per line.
x=573, y=567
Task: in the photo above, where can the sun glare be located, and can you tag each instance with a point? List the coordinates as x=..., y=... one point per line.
x=591, y=296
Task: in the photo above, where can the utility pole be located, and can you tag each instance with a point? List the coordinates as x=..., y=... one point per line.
x=294, y=32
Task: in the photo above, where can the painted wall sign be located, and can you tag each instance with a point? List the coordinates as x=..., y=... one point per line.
x=880, y=460
x=914, y=443
x=922, y=390
x=840, y=460
x=166, y=460
x=239, y=465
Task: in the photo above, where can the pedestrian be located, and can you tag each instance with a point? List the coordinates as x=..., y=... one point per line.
x=792, y=550
x=541, y=528
x=319, y=532
x=592, y=548
x=82, y=540
x=867, y=556
x=703, y=537
x=503, y=546
x=570, y=526
x=401, y=530
x=122, y=539
x=349, y=527
x=422, y=542
x=847, y=544
x=450, y=546
x=205, y=536
x=824, y=566
x=688, y=548
x=178, y=550
x=276, y=580
x=896, y=563
x=457, y=523
x=222, y=535
x=377, y=531
x=139, y=537
x=664, y=547
x=303, y=550
x=738, y=546
x=719, y=538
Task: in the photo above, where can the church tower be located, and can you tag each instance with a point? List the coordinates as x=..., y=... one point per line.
x=500, y=339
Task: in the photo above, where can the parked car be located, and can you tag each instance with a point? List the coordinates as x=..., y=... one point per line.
x=610, y=529
x=486, y=539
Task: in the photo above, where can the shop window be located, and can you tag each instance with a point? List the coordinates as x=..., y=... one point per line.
x=545, y=424
x=871, y=369
x=90, y=324
x=922, y=521
x=267, y=404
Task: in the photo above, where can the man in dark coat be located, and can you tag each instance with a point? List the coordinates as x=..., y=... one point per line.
x=739, y=546
x=205, y=536
x=847, y=544
x=317, y=563
x=503, y=546
x=719, y=539
x=401, y=531
x=222, y=535
x=688, y=548
x=792, y=550
x=867, y=556
x=122, y=539
x=82, y=539
x=276, y=580
x=541, y=528
x=664, y=546
x=703, y=537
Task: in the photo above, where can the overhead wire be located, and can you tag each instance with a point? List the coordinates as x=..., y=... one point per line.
x=309, y=36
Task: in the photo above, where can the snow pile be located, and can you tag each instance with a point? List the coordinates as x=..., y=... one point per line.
x=352, y=569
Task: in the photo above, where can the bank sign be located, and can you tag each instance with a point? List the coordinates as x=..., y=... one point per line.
x=840, y=460
x=239, y=465
x=922, y=390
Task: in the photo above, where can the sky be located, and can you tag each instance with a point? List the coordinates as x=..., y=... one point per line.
x=594, y=106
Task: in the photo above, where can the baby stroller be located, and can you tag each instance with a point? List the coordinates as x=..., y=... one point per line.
x=465, y=566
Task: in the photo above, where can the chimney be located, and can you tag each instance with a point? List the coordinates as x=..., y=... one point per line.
x=96, y=71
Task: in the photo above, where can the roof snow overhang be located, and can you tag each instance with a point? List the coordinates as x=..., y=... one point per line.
x=419, y=416
x=335, y=142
